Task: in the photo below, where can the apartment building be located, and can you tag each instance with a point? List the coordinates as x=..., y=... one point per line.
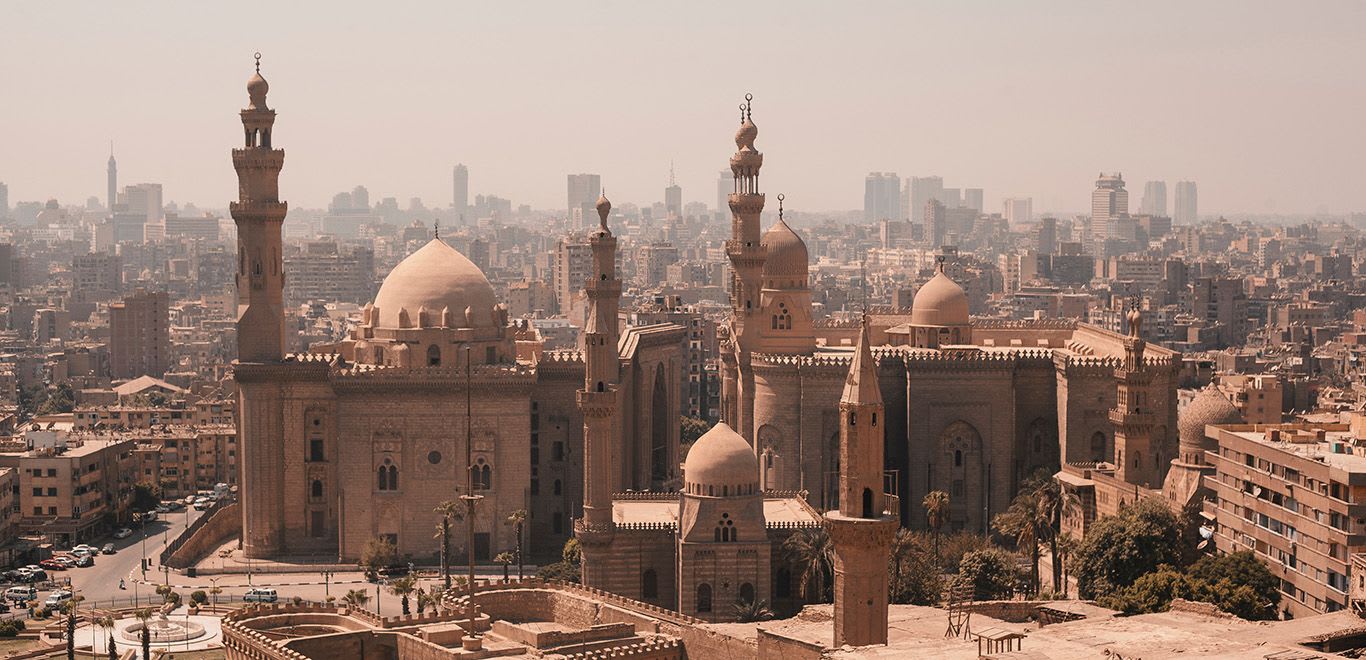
x=71, y=488
x=1295, y=494
x=181, y=460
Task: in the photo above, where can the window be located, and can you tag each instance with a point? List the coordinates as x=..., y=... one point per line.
x=483, y=475
x=958, y=458
x=649, y=584
x=317, y=490
x=315, y=450
x=746, y=593
x=433, y=356
x=490, y=355
x=782, y=584
x=388, y=476
x=558, y=487
x=704, y=597
x=725, y=530
x=867, y=502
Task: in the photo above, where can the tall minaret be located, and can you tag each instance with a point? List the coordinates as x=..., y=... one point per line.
x=1137, y=461
x=113, y=180
x=747, y=257
x=259, y=214
x=598, y=402
x=862, y=529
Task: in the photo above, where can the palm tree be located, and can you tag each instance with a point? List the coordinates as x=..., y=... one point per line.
x=936, y=504
x=423, y=598
x=1055, y=503
x=902, y=544
x=506, y=559
x=214, y=591
x=356, y=598
x=810, y=551
x=70, y=608
x=145, y=615
x=403, y=587
x=1066, y=546
x=107, y=622
x=1022, y=522
x=450, y=511
x=518, y=520
x=752, y=610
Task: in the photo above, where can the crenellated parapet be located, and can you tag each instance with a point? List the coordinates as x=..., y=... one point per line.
x=1024, y=324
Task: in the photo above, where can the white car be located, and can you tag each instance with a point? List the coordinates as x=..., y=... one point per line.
x=85, y=548
x=260, y=595
x=123, y=533
x=56, y=599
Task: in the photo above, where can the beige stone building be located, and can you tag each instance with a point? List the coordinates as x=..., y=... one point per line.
x=71, y=488
x=140, y=335
x=362, y=439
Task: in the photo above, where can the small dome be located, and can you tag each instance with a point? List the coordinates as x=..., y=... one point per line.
x=437, y=276
x=787, y=256
x=721, y=458
x=257, y=87
x=603, y=204
x=941, y=302
x=746, y=135
x=1210, y=406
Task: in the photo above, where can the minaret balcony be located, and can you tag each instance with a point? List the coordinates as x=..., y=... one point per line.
x=258, y=158
x=746, y=203
x=258, y=208
x=1132, y=419
x=597, y=404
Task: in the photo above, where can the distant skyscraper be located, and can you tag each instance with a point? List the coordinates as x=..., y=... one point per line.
x=1154, y=198
x=1109, y=202
x=145, y=199
x=460, y=188
x=923, y=189
x=1187, y=208
x=972, y=198
x=951, y=198
x=583, y=191
x=140, y=335
x=673, y=196
x=112, y=189
x=934, y=223
x=360, y=198
x=725, y=185
x=4, y=200
x=1046, y=236
x=1019, y=210
x=881, y=196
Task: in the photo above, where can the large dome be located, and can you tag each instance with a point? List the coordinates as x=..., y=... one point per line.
x=787, y=257
x=941, y=302
x=721, y=458
x=1210, y=406
x=436, y=277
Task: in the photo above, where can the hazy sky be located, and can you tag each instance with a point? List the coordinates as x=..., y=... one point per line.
x=1262, y=103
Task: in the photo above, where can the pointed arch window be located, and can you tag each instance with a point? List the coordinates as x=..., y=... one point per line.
x=316, y=492
x=782, y=320
x=433, y=356
x=483, y=475
x=704, y=597
x=387, y=476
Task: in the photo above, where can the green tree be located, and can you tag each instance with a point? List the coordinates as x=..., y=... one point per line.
x=146, y=496
x=506, y=559
x=752, y=611
x=914, y=575
x=689, y=430
x=70, y=608
x=450, y=512
x=990, y=573
x=60, y=399
x=107, y=623
x=144, y=615
x=1238, y=583
x=356, y=598
x=403, y=588
x=518, y=520
x=1023, y=522
x=570, y=566
x=378, y=553
x=955, y=546
x=1122, y=548
x=1055, y=503
x=1149, y=593
x=936, y=505
x=812, y=554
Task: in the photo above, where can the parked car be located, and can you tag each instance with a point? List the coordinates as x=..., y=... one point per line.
x=4, y=607
x=85, y=561
x=123, y=533
x=260, y=595
x=162, y=508
x=52, y=565
x=36, y=575
x=86, y=547
x=12, y=576
x=65, y=560
x=203, y=505
x=21, y=594
x=56, y=598
x=108, y=549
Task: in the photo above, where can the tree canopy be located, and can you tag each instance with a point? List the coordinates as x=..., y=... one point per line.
x=1120, y=549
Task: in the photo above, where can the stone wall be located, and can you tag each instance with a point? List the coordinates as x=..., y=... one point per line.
x=772, y=646
x=226, y=524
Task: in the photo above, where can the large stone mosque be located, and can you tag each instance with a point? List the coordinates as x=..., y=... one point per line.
x=834, y=425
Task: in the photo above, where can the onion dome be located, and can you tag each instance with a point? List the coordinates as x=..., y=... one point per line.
x=604, y=207
x=257, y=87
x=941, y=302
x=1210, y=406
x=748, y=132
x=721, y=459
x=437, y=276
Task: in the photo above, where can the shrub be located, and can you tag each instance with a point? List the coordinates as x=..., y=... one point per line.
x=11, y=627
x=199, y=597
x=991, y=573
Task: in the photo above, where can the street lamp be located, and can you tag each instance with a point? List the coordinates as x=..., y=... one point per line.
x=327, y=577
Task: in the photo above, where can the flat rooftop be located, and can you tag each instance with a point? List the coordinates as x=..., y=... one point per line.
x=1301, y=440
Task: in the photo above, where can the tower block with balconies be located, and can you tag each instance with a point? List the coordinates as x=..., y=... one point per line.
x=598, y=402
x=863, y=527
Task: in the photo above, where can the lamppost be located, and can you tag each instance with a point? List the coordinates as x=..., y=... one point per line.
x=213, y=591
x=327, y=576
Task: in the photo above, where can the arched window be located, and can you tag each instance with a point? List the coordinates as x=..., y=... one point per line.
x=483, y=475
x=317, y=490
x=725, y=529
x=704, y=597
x=388, y=475
x=853, y=420
x=558, y=487
x=867, y=502
x=783, y=319
x=649, y=584
x=433, y=356
x=958, y=458
x=746, y=593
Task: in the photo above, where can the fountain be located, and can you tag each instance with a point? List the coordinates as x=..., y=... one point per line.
x=163, y=630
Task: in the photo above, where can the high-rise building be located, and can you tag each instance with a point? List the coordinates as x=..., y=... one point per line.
x=573, y=267
x=1154, y=199
x=934, y=215
x=583, y=191
x=460, y=188
x=1019, y=210
x=1109, y=202
x=972, y=198
x=97, y=276
x=881, y=196
x=922, y=190
x=360, y=199
x=112, y=189
x=4, y=200
x=1186, y=211
x=140, y=335
x=673, y=196
x=951, y=198
x=1046, y=236
x=144, y=199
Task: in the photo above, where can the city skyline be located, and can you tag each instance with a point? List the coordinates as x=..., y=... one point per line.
x=388, y=116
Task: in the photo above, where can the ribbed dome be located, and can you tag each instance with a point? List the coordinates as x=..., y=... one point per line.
x=787, y=256
x=721, y=458
x=257, y=87
x=940, y=302
x=746, y=135
x=1210, y=406
x=437, y=277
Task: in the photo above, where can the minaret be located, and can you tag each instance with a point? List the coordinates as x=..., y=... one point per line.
x=598, y=402
x=1135, y=458
x=113, y=180
x=862, y=529
x=259, y=214
x=746, y=254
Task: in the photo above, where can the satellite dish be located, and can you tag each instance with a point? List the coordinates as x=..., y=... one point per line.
x=1206, y=533
x=1201, y=545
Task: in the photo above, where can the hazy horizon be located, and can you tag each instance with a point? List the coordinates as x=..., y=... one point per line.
x=1258, y=102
